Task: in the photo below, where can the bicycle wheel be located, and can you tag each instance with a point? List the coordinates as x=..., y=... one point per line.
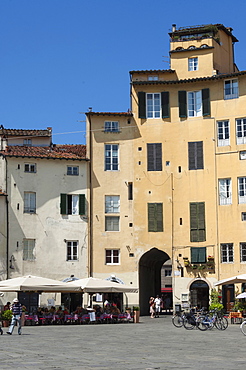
x=177, y=321
x=189, y=322
x=202, y=323
x=221, y=323
x=243, y=327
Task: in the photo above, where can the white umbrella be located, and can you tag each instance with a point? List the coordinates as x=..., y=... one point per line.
x=31, y=283
x=241, y=295
x=93, y=285
x=232, y=280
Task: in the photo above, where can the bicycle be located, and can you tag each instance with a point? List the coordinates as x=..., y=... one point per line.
x=212, y=319
x=243, y=327
x=178, y=319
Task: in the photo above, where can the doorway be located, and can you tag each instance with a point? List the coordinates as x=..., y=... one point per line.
x=228, y=296
x=199, y=294
x=150, y=265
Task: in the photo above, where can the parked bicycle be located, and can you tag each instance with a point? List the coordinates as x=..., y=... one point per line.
x=243, y=327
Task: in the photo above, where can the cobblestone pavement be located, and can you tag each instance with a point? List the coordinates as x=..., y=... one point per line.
x=151, y=344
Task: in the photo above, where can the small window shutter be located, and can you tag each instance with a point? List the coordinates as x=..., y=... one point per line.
x=201, y=221
x=150, y=157
x=193, y=223
x=194, y=254
x=165, y=104
x=82, y=204
x=151, y=217
x=158, y=152
x=199, y=150
x=205, y=102
x=141, y=105
x=63, y=204
x=182, y=104
x=159, y=216
x=191, y=155
x=197, y=222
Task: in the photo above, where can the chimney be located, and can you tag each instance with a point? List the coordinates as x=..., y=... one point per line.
x=173, y=27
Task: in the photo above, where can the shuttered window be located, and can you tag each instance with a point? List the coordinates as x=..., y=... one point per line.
x=153, y=105
x=198, y=103
x=155, y=217
x=72, y=204
x=197, y=222
x=154, y=157
x=195, y=154
x=198, y=254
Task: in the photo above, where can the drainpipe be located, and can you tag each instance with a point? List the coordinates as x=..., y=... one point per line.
x=90, y=241
x=7, y=220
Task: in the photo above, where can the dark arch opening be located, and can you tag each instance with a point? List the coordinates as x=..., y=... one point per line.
x=199, y=294
x=150, y=276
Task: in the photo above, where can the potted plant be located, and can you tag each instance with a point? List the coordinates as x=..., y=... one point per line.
x=136, y=314
x=211, y=258
x=6, y=317
x=194, y=267
x=201, y=267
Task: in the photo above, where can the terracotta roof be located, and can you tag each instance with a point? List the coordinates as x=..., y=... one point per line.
x=74, y=152
x=123, y=114
x=190, y=80
x=16, y=132
x=154, y=71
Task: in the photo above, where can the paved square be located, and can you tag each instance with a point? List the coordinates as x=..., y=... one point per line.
x=151, y=344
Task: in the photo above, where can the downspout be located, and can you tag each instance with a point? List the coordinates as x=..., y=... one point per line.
x=90, y=241
x=7, y=220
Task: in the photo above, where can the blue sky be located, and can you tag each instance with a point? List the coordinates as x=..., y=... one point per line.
x=60, y=57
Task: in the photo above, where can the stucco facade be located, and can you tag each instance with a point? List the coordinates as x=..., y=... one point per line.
x=46, y=237
x=183, y=150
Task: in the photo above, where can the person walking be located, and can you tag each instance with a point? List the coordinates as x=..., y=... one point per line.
x=157, y=306
x=16, y=309
x=152, y=307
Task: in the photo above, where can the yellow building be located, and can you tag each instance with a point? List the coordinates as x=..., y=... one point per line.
x=168, y=178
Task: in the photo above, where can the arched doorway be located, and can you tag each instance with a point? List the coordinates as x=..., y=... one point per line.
x=150, y=276
x=199, y=294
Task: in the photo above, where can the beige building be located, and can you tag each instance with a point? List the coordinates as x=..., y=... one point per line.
x=45, y=228
x=168, y=178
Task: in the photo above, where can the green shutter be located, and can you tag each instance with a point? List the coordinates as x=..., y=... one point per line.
x=82, y=204
x=154, y=157
x=155, y=217
x=182, y=104
x=63, y=204
x=199, y=155
x=198, y=254
x=197, y=222
x=205, y=102
x=165, y=104
x=141, y=105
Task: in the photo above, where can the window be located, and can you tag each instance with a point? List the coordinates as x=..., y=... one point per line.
x=73, y=170
x=112, y=223
x=198, y=103
x=194, y=103
x=112, y=204
x=168, y=272
x=112, y=256
x=242, y=252
x=225, y=191
x=29, y=202
x=111, y=157
x=27, y=142
x=155, y=217
x=72, y=250
x=231, y=89
x=111, y=126
x=30, y=167
x=241, y=130
x=130, y=191
x=28, y=250
x=223, y=133
x=197, y=222
x=195, y=154
x=241, y=190
x=72, y=204
x=226, y=251
x=198, y=254
x=154, y=105
x=193, y=64
x=243, y=216
x=153, y=78
x=154, y=154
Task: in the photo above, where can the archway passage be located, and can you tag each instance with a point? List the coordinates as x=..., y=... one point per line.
x=199, y=294
x=150, y=276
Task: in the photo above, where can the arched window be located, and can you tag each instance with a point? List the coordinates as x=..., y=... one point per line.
x=191, y=47
x=204, y=46
x=179, y=48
